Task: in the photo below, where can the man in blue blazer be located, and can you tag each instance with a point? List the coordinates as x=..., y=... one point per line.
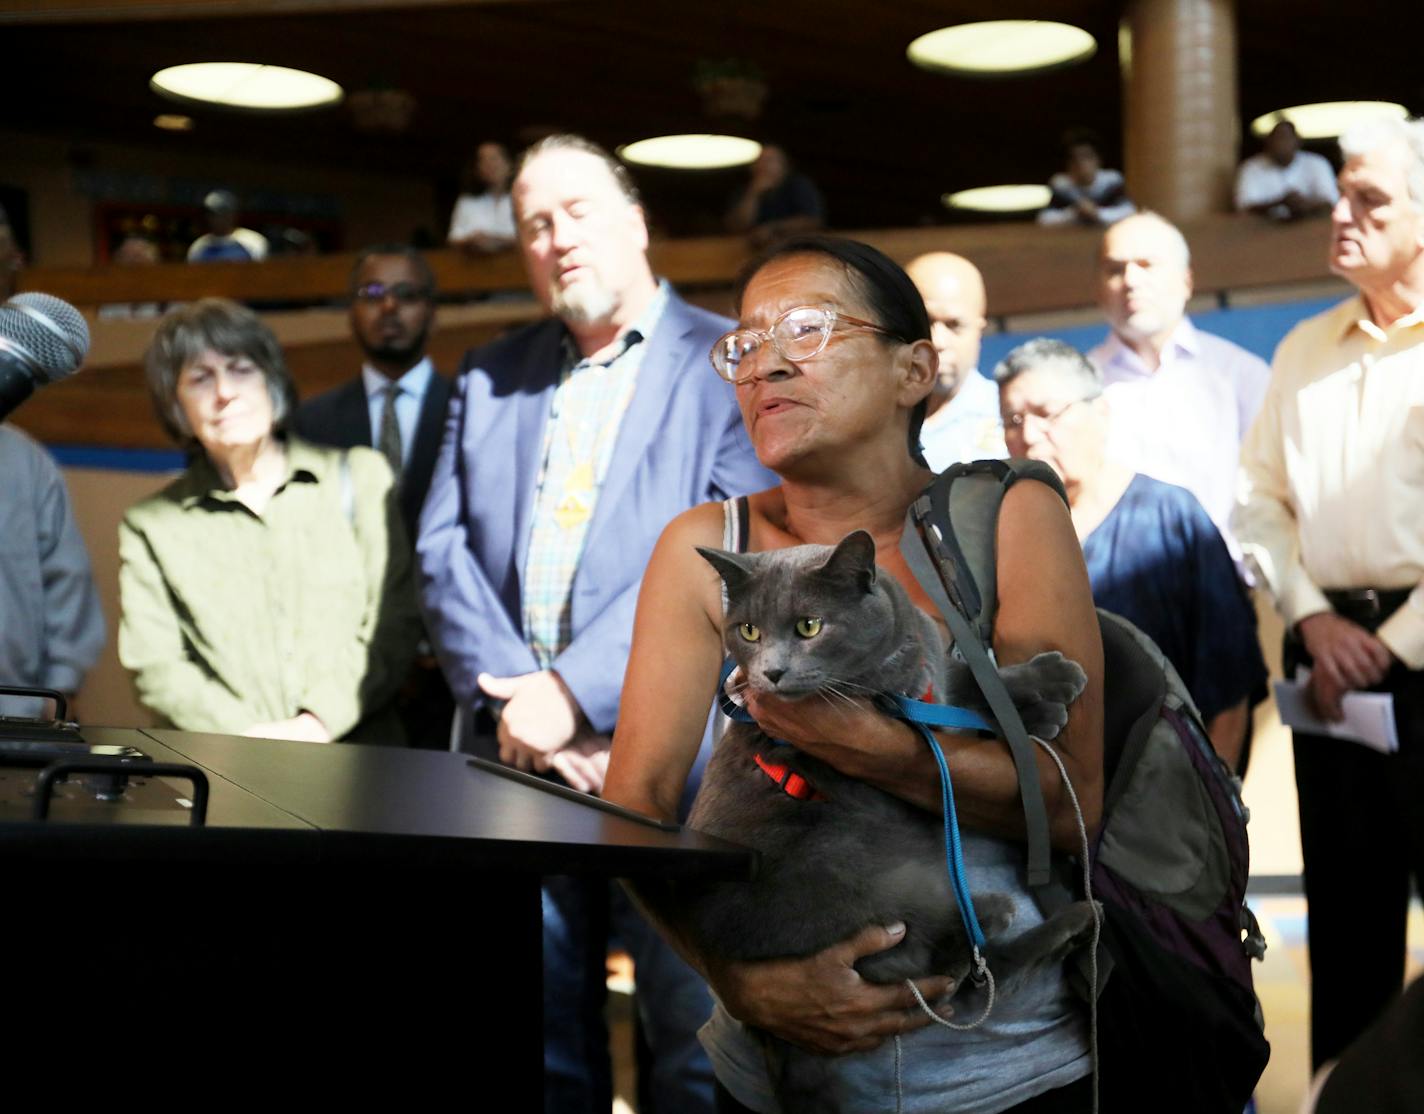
x=569, y=446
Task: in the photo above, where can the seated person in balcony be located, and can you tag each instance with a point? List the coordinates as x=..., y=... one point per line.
x=483, y=218
x=51, y=628
x=777, y=201
x=134, y=250
x=267, y=591
x=225, y=242
x=1083, y=192
x=1283, y=182
x=1153, y=555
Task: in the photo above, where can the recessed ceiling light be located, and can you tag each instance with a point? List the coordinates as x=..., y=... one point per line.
x=246, y=85
x=1327, y=119
x=691, y=152
x=172, y=122
x=999, y=199
x=1002, y=48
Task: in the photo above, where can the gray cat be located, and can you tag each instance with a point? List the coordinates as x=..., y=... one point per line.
x=818, y=622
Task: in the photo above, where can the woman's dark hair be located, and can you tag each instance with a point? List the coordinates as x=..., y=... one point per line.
x=894, y=302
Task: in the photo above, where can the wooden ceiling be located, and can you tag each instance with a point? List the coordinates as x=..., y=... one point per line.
x=882, y=139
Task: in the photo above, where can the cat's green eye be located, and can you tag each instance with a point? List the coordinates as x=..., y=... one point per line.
x=749, y=632
x=808, y=627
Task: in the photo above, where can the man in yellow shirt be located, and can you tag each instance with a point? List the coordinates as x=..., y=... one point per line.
x=1331, y=511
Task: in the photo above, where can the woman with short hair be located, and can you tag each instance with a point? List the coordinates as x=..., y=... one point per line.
x=267, y=590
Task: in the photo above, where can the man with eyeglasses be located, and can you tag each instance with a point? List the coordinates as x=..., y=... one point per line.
x=397, y=406
x=1152, y=553
x=571, y=443
x=1181, y=399
x=962, y=422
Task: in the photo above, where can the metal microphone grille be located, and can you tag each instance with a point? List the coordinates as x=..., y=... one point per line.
x=50, y=330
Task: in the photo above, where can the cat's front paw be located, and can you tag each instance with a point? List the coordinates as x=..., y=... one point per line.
x=1042, y=688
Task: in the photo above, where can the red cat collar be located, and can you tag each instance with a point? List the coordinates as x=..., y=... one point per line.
x=790, y=782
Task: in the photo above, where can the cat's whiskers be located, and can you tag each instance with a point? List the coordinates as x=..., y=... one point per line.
x=851, y=686
x=839, y=702
x=831, y=692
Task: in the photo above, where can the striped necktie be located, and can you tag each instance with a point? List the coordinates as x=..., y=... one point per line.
x=389, y=442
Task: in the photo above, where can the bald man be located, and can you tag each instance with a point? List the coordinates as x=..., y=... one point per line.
x=1181, y=399
x=963, y=421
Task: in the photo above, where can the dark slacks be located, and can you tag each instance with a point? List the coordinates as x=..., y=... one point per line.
x=580, y=916
x=1362, y=840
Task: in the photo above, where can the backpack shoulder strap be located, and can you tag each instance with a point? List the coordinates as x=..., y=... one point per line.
x=967, y=496
x=949, y=545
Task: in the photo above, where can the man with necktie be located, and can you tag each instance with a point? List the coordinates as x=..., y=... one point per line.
x=397, y=406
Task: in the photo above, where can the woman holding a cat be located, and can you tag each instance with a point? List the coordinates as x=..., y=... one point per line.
x=838, y=420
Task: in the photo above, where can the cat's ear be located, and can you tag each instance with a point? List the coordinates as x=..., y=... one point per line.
x=734, y=569
x=853, y=559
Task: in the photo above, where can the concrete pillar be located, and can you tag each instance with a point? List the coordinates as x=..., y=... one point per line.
x=1180, y=117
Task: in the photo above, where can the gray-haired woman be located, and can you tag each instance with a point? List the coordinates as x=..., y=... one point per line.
x=267, y=591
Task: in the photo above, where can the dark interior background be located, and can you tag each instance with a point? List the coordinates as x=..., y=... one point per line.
x=883, y=139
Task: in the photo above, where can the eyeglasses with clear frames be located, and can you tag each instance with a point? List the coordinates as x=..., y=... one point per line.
x=801, y=333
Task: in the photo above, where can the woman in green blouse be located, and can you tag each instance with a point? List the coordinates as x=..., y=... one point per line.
x=267, y=591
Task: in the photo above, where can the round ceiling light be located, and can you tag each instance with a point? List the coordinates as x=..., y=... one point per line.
x=691, y=152
x=248, y=85
x=999, y=199
x=1002, y=48
x=1327, y=119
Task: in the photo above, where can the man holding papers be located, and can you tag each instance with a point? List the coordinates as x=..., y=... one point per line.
x=1331, y=512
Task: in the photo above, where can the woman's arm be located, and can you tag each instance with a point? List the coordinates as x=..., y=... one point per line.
x=1045, y=603
x=152, y=647
x=672, y=669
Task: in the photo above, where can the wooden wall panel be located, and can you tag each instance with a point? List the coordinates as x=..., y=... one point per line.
x=1026, y=270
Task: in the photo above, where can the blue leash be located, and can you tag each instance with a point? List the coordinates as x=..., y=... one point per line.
x=922, y=716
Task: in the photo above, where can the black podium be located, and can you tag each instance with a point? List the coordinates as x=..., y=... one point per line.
x=349, y=923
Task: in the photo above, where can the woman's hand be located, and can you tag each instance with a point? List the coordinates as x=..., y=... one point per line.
x=820, y=1002
x=303, y=728
x=854, y=737
x=819, y=722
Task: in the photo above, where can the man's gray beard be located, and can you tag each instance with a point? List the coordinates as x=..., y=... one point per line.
x=588, y=303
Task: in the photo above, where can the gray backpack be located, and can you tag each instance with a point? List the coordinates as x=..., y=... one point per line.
x=1178, y=1017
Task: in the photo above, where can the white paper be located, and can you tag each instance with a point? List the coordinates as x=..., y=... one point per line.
x=1369, y=716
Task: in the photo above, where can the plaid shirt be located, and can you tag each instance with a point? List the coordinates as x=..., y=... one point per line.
x=584, y=420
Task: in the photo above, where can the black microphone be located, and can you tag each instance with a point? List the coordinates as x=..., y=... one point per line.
x=42, y=339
